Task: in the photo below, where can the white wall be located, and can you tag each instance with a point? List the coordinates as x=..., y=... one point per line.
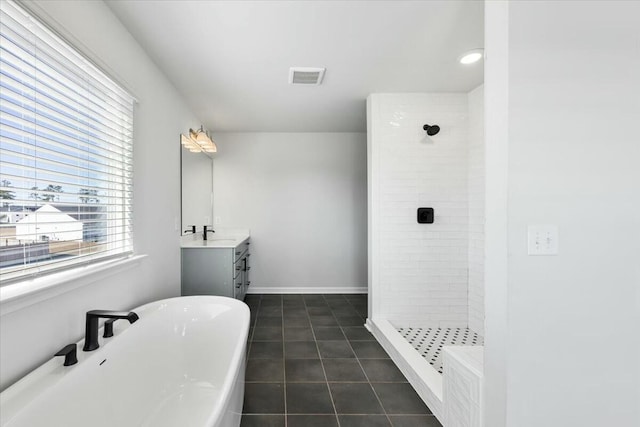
x=496, y=82
x=30, y=336
x=419, y=273
x=303, y=196
x=476, y=176
x=571, y=332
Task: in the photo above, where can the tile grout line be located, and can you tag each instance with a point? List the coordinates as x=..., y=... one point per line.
x=284, y=364
x=253, y=329
x=255, y=322
x=335, y=410
x=374, y=391
x=341, y=328
x=365, y=374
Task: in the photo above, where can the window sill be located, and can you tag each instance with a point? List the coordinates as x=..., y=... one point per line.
x=23, y=294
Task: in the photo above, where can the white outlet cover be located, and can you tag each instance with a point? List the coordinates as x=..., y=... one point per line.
x=542, y=239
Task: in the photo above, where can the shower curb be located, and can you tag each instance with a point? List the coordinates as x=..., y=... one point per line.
x=426, y=381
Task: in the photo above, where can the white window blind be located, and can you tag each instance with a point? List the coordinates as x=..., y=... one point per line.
x=66, y=163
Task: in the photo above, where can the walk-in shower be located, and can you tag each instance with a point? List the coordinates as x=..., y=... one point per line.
x=426, y=277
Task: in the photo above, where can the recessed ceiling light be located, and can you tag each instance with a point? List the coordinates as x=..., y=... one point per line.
x=471, y=56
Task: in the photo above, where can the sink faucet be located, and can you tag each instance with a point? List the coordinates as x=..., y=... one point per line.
x=91, y=331
x=192, y=229
x=205, y=231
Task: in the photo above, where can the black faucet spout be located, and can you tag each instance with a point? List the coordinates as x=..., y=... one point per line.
x=205, y=231
x=91, y=330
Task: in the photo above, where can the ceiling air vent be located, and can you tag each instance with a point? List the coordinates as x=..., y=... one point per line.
x=305, y=75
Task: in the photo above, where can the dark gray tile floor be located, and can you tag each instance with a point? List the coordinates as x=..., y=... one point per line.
x=311, y=363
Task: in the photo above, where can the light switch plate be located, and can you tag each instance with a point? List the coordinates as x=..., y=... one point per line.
x=542, y=240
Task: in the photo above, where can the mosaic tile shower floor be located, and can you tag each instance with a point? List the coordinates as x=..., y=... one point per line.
x=429, y=341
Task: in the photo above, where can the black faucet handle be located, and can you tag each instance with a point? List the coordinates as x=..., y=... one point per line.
x=69, y=352
x=192, y=229
x=108, y=328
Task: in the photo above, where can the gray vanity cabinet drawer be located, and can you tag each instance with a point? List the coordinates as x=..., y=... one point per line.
x=238, y=289
x=239, y=251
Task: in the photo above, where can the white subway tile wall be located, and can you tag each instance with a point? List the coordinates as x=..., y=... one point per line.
x=476, y=210
x=423, y=268
x=462, y=386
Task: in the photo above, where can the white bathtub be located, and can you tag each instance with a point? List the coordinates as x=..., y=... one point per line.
x=181, y=364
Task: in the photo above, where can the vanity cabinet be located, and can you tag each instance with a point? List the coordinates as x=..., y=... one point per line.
x=222, y=271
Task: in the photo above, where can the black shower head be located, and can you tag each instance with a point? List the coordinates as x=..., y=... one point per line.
x=431, y=130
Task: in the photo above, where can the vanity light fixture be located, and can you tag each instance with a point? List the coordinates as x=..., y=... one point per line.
x=189, y=144
x=199, y=140
x=471, y=56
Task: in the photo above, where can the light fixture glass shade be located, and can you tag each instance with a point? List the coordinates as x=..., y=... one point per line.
x=211, y=148
x=201, y=139
x=190, y=144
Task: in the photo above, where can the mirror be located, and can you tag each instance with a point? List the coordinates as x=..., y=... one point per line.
x=197, y=189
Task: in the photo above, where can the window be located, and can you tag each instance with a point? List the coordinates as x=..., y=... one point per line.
x=66, y=152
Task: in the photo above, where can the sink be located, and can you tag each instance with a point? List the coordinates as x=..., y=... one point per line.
x=218, y=240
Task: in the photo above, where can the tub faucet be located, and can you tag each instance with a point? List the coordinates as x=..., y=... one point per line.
x=91, y=331
x=205, y=231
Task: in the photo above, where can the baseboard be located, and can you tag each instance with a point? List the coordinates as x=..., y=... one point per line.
x=308, y=290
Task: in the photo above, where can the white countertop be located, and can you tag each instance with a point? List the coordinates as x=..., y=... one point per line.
x=220, y=239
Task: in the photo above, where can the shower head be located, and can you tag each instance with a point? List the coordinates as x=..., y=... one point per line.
x=431, y=130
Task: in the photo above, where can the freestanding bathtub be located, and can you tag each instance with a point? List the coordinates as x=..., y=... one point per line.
x=181, y=364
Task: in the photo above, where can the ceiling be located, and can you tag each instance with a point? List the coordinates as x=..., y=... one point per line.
x=231, y=59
